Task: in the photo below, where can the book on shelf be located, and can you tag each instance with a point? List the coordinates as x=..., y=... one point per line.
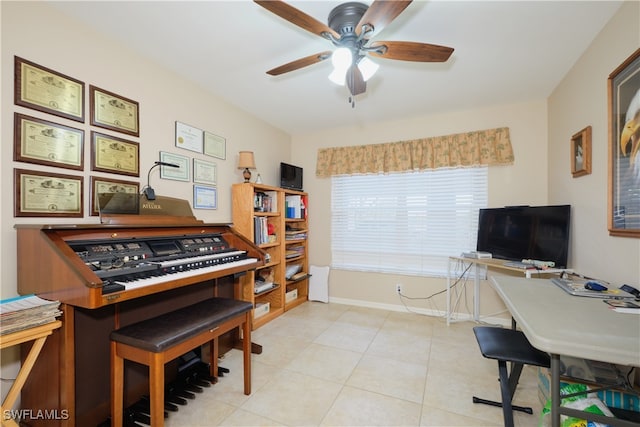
x=26, y=312
x=295, y=206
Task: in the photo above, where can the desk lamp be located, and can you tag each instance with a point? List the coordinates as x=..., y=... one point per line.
x=246, y=162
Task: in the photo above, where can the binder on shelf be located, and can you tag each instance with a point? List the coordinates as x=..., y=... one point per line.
x=294, y=206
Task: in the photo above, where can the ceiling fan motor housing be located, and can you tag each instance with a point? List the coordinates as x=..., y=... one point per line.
x=344, y=18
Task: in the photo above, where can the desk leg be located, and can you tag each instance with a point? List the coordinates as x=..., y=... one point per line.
x=476, y=293
x=448, y=292
x=555, y=390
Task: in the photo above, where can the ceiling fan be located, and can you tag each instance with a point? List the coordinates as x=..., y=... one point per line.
x=351, y=26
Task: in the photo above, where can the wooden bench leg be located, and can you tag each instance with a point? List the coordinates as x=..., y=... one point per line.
x=213, y=358
x=156, y=388
x=246, y=352
x=117, y=386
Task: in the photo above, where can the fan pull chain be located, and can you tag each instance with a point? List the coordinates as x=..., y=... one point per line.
x=352, y=101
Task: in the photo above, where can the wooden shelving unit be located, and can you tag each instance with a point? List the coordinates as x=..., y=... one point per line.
x=276, y=220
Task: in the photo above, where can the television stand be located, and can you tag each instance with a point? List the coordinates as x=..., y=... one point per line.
x=482, y=266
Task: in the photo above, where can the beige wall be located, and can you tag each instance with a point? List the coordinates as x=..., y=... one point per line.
x=522, y=183
x=540, y=132
x=579, y=101
x=41, y=34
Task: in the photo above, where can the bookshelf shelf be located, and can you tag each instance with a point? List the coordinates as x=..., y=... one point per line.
x=267, y=215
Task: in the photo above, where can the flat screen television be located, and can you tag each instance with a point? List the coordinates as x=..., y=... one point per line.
x=526, y=232
x=290, y=177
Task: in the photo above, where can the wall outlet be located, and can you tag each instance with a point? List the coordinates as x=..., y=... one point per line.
x=399, y=288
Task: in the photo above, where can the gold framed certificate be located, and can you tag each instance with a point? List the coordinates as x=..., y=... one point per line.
x=114, y=112
x=108, y=185
x=115, y=155
x=47, y=194
x=47, y=143
x=43, y=89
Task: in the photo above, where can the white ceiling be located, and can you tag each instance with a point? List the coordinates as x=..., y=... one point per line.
x=505, y=52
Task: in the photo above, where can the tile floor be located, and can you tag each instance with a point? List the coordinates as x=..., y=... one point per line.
x=339, y=365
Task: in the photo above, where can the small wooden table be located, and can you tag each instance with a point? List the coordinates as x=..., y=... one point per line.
x=39, y=334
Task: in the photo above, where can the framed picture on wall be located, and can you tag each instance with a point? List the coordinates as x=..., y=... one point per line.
x=43, y=89
x=181, y=173
x=108, y=185
x=624, y=148
x=115, y=155
x=47, y=194
x=204, y=172
x=114, y=112
x=205, y=197
x=47, y=143
x=581, y=153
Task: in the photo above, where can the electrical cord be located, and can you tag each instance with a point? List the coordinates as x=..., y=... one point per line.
x=429, y=298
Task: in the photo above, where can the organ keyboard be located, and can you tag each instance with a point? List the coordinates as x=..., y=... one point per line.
x=109, y=275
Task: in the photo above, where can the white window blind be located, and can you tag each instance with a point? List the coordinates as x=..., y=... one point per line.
x=406, y=223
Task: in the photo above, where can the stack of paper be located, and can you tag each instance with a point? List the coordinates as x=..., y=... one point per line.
x=26, y=312
x=295, y=234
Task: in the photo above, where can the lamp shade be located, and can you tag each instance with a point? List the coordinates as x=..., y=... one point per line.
x=245, y=160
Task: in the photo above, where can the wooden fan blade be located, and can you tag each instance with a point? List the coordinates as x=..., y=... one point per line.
x=355, y=81
x=411, y=51
x=300, y=63
x=297, y=17
x=380, y=14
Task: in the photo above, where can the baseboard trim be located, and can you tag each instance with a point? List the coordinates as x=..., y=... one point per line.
x=459, y=317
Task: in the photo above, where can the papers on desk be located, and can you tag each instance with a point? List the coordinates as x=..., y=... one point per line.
x=623, y=306
x=26, y=312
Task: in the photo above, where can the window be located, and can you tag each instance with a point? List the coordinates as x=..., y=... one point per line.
x=406, y=223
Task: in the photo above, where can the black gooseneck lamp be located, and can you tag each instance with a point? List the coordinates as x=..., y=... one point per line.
x=149, y=192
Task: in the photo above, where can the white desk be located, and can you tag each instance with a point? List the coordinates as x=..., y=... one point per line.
x=561, y=324
x=482, y=265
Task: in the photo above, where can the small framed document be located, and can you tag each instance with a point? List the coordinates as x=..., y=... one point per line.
x=188, y=137
x=107, y=185
x=115, y=155
x=180, y=173
x=215, y=146
x=205, y=197
x=47, y=143
x=45, y=90
x=204, y=172
x=47, y=194
x=114, y=112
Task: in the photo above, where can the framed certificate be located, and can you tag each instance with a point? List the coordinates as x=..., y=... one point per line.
x=205, y=197
x=43, y=89
x=188, y=137
x=180, y=173
x=215, y=146
x=114, y=112
x=624, y=149
x=204, y=172
x=107, y=185
x=115, y=155
x=47, y=143
x=47, y=194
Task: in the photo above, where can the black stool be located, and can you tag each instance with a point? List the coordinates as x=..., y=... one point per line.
x=508, y=345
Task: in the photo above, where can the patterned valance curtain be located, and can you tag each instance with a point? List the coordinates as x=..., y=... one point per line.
x=485, y=147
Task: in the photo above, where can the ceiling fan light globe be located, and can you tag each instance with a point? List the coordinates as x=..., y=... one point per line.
x=338, y=77
x=341, y=58
x=368, y=68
